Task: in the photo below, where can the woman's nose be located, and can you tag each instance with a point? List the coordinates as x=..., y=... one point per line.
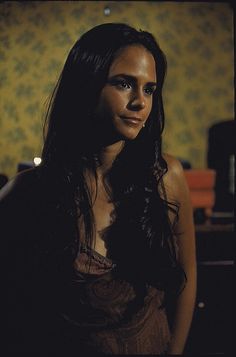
x=137, y=101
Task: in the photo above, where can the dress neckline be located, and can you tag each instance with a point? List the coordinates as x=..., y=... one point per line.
x=101, y=258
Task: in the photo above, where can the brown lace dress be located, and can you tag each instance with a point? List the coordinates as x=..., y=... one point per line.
x=101, y=318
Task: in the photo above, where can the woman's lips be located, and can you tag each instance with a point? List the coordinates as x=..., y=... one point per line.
x=132, y=120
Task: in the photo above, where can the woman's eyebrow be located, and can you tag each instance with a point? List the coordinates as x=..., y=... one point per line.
x=130, y=78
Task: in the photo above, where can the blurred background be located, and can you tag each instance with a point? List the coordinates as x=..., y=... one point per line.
x=198, y=40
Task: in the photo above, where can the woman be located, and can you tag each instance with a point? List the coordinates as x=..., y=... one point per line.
x=102, y=252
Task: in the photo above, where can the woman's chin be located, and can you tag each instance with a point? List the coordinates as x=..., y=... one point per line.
x=128, y=133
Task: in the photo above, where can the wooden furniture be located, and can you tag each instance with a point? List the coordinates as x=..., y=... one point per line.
x=201, y=184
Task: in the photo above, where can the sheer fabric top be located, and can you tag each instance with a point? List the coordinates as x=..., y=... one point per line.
x=104, y=312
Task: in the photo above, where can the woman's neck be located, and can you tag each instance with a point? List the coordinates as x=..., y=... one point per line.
x=107, y=156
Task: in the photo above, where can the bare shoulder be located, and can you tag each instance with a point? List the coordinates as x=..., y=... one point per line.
x=174, y=180
x=174, y=165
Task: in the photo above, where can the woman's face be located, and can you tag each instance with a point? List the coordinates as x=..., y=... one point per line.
x=126, y=99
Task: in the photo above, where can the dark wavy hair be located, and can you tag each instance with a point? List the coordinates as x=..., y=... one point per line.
x=140, y=239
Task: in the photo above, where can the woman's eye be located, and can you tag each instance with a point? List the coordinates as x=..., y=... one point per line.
x=124, y=84
x=149, y=90
x=120, y=83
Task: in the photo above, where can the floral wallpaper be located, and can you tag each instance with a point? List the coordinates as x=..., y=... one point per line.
x=35, y=37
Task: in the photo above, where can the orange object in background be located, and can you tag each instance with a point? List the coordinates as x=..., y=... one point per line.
x=200, y=178
x=201, y=184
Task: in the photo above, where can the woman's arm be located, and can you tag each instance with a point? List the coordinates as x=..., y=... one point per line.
x=177, y=190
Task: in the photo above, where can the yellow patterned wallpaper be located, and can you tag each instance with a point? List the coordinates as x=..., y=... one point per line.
x=35, y=37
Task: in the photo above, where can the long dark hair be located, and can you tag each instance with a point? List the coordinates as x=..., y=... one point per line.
x=140, y=240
